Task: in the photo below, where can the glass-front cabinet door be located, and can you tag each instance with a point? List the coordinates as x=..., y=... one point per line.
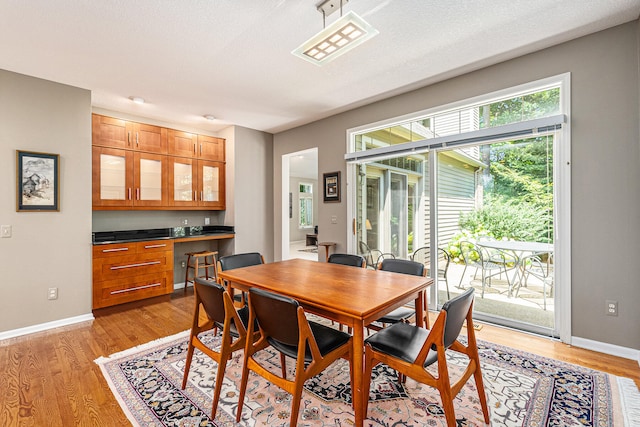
x=211, y=184
x=113, y=177
x=149, y=177
x=182, y=181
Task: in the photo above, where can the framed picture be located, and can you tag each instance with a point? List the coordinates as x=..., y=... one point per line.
x=332, y=187
x=37, y=181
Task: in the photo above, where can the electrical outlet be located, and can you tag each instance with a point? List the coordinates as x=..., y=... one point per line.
x=183, y=264
x=5, y=230
x=612, y=308
x=185, y=221
x=207, y=220
x=53, y=293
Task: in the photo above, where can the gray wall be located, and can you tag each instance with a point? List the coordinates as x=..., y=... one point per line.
x=250, y=187
x=605, y=174
x=48, y=249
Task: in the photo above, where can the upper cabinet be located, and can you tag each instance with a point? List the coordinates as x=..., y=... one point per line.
x=116, y=133
x=140, y=166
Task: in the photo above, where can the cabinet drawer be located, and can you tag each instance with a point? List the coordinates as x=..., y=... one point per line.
x=114, y=250
x=154, y=246
x=131, y=265
x=114, y=292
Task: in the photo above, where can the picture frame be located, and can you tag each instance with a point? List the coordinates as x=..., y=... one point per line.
x=331, y=182
x=37, y=182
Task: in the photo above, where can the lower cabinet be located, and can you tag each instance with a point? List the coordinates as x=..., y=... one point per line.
x=124, y=272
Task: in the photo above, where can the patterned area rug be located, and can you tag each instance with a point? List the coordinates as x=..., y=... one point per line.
x=523, y=390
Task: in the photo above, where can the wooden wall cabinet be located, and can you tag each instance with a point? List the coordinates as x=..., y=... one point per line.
x=124, y=272
x=117, y=133
x=147, y=167
x=125, y=178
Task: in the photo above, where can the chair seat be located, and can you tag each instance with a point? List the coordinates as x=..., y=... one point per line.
x=400, y=314
x=328, y=339
x=402, y=341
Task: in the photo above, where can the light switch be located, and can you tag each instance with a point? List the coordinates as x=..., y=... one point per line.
x=334, y=219
x=5, y=230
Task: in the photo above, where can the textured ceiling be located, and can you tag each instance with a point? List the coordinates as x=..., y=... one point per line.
x=232, y=58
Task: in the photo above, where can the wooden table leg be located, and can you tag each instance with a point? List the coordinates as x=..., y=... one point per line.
x=419, y=309
x=358, y=373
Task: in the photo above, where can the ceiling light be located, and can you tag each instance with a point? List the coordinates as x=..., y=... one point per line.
x=209, y=117
x=137, y=99
x=338, y=38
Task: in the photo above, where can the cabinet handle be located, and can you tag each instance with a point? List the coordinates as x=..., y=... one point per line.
x=121, y=291
x=129, y=138
x=202, y=196
x=115, y=250
x=142, y=264
x=137, y=193
x=195, y=196
x=194, y=148
x=129, y=194
x=154, y=246
x=137, y=140
x=200, y=150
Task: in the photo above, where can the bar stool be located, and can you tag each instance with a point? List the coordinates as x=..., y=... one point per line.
x=202, y=259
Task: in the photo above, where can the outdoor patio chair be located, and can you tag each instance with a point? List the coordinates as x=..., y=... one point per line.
x=282, y=325
x=411, y=350
x=423, y=255
x=533, y=265
x=474, y=255
x=220, y=313
x=373, y=256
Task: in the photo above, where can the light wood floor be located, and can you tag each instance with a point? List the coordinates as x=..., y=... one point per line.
x=50, y=379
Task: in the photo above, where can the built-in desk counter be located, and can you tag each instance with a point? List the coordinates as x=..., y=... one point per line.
x=131, y=265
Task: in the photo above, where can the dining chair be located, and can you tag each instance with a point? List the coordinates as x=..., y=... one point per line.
x=401, y=314
x=231, y=262
x=348, y=259
x=283, y=326
x=423, y=255
x=220, y=313
x=410, y=350
x=473, y=255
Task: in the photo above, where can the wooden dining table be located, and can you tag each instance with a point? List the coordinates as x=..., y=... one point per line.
x=349, y=295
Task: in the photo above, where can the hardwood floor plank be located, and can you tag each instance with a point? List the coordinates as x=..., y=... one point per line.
x=50, y=378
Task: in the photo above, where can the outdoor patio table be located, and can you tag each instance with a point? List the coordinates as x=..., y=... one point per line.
x=352, y=296
x=518, y=249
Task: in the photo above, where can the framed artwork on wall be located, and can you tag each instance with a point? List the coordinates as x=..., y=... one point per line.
x=331, y=187
x=37, y=182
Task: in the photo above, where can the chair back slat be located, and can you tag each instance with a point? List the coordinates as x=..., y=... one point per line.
x=457, y=309
x=231, y=262
x=347, y=259
x=210, y=294
x=403, y=266
x=277, y=315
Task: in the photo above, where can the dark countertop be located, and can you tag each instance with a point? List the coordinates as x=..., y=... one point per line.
x=182, y=233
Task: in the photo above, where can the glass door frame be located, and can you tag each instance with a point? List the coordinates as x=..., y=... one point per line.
x=561, y=193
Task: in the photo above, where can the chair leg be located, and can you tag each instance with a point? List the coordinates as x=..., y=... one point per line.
x=187, y=364
x=186, y=275
x=462, y=277
x=283, y=365
x=447, y=402
x=243, y=389
x=295, y=400
x=222, y=364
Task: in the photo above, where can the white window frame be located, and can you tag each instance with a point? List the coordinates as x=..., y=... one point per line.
x=561, y=172
x=305, y=196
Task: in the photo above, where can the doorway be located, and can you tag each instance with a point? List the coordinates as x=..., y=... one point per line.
x=300, y=204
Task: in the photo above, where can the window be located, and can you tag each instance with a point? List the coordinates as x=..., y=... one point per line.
x=487, y=168
x=305, y=195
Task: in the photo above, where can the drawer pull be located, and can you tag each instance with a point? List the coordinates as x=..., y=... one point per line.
x=154, y=246
x=142, y=264
x=153, y=285
x=115, y=250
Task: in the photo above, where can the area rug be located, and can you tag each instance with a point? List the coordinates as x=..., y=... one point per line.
x=522, y=390
x=310, y=250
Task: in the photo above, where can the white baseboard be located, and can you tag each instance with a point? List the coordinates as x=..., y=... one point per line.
x=612, y=349
x=45, y=326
